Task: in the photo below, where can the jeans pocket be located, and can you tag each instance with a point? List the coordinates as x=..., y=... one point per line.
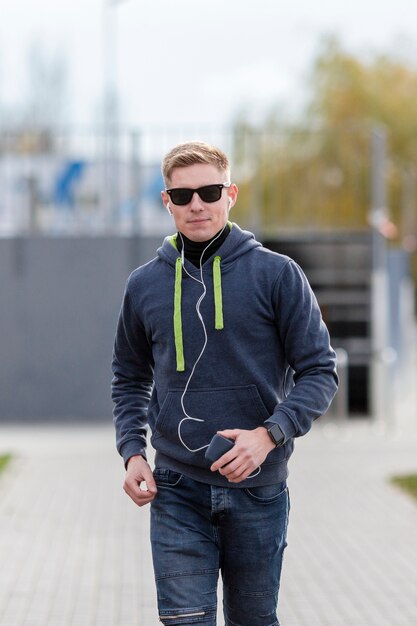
x=266, y=494
x=166, y=477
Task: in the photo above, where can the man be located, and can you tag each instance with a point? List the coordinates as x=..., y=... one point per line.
x=216, y=335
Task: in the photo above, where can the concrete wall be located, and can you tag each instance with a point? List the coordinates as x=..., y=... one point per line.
x=59, y=302
x=60, y=299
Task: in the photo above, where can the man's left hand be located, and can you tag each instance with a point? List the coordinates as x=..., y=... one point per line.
x=249, y=452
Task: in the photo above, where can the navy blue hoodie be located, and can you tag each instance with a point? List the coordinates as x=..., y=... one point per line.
x=267, y=358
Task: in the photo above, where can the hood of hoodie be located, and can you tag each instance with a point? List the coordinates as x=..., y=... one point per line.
x=238, y=243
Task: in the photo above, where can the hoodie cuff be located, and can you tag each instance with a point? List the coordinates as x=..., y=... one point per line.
x=132, y=448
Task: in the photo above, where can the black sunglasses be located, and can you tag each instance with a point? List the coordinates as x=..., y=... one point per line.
x=209, y=193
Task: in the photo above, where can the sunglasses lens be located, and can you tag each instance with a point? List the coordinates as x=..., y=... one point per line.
x=181, y=196
x=211, y=193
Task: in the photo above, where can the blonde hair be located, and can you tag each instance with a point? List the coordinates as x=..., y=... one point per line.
x=191, y=153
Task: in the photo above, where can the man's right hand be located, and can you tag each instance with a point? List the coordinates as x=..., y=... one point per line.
x=138, y=472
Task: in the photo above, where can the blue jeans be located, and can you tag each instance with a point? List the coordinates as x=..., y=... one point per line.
x=198, y=530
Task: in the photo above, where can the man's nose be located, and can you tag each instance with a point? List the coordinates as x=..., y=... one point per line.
x=195, y=203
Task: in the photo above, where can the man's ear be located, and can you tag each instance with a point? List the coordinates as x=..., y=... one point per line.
x=165, y=201
x=232, y=193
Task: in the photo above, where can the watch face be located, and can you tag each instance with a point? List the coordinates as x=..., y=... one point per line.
x=276, y=434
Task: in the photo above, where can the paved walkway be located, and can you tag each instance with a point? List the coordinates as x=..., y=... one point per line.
x=74, y=549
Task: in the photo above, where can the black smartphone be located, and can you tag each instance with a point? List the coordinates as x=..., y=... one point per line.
x=219, y=445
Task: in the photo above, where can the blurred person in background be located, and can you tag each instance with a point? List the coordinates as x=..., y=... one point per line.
x=216, y=336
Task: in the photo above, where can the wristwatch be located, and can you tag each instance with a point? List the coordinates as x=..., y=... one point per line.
x=276, y=434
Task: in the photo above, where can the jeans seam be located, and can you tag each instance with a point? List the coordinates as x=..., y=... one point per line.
x=179, y=574
x=228, y=622
x=253, y=594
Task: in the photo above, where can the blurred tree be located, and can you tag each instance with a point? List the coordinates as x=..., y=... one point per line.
x=29, y=124
x=47, y=82
x=316, y=173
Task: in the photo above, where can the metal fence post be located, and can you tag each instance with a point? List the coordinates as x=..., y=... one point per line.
x=379, y=391
x=341, y=401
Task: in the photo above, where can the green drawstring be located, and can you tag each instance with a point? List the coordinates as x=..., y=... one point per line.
x=179, y=347
x=218, y=308
x=218, y=302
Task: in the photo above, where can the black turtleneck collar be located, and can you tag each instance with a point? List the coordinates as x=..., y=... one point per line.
x=194, y=249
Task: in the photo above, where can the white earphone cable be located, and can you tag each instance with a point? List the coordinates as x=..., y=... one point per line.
x=200, y=317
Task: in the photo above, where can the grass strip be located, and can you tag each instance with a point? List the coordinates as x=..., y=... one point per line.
x=408, y=483
x=4, y=459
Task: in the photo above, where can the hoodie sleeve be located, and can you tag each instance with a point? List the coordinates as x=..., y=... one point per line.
x=132, y=367
x=308, y=352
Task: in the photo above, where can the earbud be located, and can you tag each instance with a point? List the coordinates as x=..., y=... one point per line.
x=169, y=208
x=230, y=203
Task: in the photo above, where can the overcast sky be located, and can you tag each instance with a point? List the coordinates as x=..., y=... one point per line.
x=185, y=61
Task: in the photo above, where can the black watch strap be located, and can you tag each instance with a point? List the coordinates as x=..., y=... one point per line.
x=276, y=434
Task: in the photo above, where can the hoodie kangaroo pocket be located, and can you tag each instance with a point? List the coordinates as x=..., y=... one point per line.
x=211, y=410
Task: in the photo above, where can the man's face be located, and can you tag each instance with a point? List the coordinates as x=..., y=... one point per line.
x=198, y=220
